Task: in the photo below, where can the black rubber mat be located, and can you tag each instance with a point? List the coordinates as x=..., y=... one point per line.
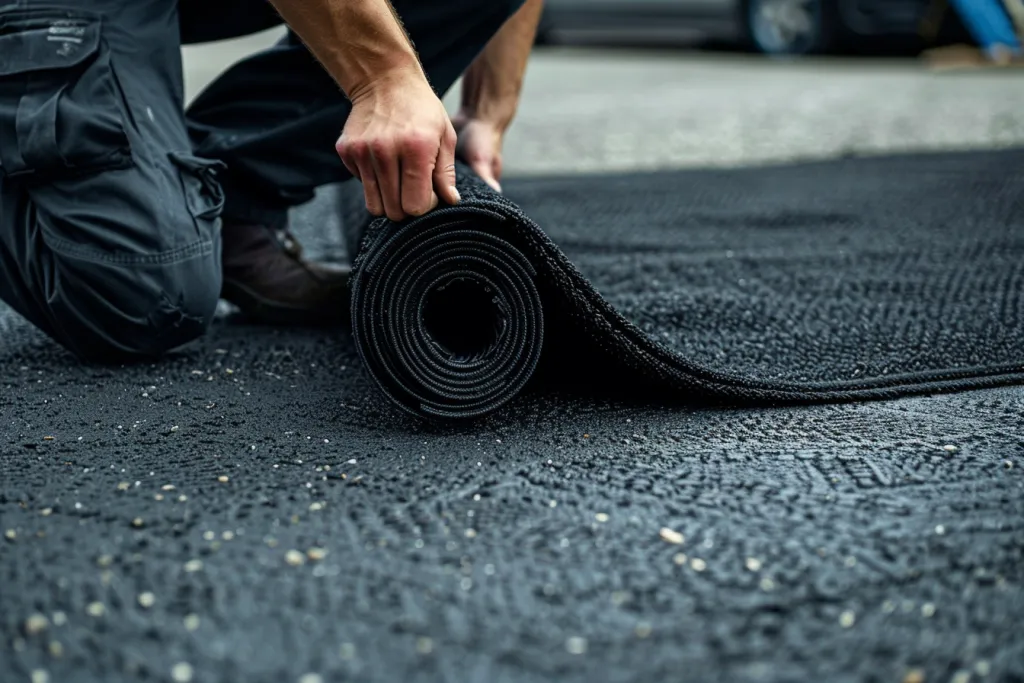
x=252, y=509
x=852, y=279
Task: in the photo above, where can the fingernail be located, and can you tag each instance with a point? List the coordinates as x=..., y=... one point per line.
x=458, y=197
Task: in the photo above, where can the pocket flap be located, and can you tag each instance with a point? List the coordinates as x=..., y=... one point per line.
x=36, y=40
x=203, y=193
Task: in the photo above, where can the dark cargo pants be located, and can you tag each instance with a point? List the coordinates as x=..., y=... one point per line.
x=111, y=195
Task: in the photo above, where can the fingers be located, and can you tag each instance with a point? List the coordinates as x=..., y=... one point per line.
x=444, y=168
x=385, y=160
x=418, y=196
x=485, y=169
x=356, y=156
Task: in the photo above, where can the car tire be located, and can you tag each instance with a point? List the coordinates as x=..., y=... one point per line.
x=792, y=27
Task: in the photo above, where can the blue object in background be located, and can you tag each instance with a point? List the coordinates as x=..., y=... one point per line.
x=989, y=23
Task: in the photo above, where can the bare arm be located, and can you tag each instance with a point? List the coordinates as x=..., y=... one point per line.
x=490, y=91
x=357, y=41
x=398, y=140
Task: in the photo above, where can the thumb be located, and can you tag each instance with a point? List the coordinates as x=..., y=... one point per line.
x=485, y=169
x=444, y=168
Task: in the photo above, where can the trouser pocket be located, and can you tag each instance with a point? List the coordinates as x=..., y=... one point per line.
x=60, y=111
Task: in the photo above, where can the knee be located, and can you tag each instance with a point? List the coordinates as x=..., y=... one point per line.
x=113, y=312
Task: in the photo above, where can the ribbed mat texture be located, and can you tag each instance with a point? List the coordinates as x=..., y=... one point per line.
x=831, y=281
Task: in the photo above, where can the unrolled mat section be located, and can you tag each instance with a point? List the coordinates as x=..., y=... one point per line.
x=454, y=312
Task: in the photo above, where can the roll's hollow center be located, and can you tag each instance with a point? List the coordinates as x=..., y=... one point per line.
x=464, y=318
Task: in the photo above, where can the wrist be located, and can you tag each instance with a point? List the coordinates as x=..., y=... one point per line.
x=493, y=118
x=396, y=75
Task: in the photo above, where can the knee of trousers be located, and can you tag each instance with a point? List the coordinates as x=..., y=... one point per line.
x=104, y=310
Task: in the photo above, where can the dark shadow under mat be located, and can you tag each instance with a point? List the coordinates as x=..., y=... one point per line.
x=828, y=281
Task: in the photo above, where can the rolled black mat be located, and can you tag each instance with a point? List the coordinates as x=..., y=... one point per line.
x=831, y=281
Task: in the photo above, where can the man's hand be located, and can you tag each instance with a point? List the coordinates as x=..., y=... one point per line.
x=479, y=146
x=398, y=139
x=399, y=142
x=490, y=93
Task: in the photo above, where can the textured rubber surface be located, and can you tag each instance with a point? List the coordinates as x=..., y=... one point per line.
x=855, y=542
x=852, y=279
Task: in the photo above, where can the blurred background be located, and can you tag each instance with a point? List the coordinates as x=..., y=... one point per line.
x=650, y=84
x=777, y=27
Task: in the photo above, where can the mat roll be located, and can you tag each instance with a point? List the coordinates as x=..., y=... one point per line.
x=446, y=314
x=826, y=281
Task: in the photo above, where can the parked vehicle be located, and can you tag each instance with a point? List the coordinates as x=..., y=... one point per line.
x=770, y=26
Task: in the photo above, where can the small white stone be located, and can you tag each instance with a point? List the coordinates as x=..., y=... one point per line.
x=928, y=610
x=193, y=566
x=576, y=645
x=950, y=448
x=679, y=559
x=96, y=609
x=939, y=529
x=294, y=558
x=311, y=677
x=147, y=599
x=40, y=676
x=36, y=624
x=698, y=565
x=316, y=554
x=601, y=517
x=316, y=507
x=191, y=622
x=424, y=646
x=671, y=536
x=181, y=672
x=847, y=619
x=753, y=564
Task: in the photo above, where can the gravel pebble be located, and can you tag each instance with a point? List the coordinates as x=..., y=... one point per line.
x=181, y=672
x=36, y=624
x=294, y=558
x=576, y=645
x=914, y=676
x=671, y=536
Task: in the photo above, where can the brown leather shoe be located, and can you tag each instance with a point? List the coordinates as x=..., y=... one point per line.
x=267, y=278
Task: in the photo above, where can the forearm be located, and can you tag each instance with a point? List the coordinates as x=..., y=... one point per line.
x=492, y=84
x=359, y=42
